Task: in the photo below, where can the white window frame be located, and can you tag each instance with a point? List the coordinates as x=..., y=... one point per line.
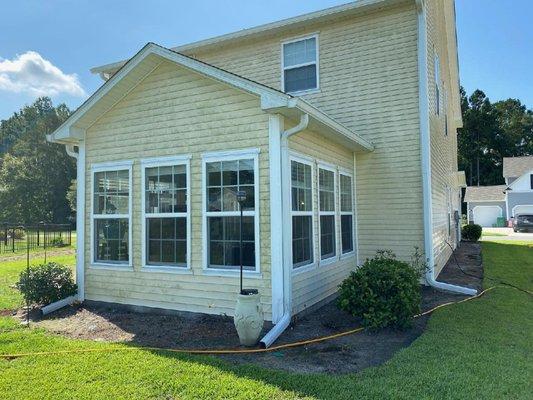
x=316, y=62
x=103, y=167
x=232, y=155
x=300, y=158
x=166, y=162
x=352, y=213
x=333, y=170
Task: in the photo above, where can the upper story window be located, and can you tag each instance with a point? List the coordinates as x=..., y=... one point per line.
x=300, y=65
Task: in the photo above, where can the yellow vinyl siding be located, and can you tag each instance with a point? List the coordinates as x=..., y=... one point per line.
x=176, y=112
x=443, y=148
x=369, y=83
x=316, y=284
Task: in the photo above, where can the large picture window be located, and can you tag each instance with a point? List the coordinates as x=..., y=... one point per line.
x=302, y=213
x=111, y=214
x=166, y=211
x=346, y=191
x=225, y=175
x=326, y=189
x=300, y=65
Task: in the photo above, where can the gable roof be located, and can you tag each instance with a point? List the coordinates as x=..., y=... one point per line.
x=152, y=55
x=328, y=14
x=514, y=167
x=485, y=193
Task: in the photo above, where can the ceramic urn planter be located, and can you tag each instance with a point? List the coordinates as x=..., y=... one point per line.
x=248, y=318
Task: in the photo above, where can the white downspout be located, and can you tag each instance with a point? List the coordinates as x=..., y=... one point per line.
x=282, y=202
x=425, y=146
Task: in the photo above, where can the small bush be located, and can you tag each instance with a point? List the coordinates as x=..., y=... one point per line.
x=383, y=292
x=57, y=242
x=46, y=283
x=471, y=232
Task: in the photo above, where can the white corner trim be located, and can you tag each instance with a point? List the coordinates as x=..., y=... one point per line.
x=275, y=129
x=163, y=162
x=80, y=221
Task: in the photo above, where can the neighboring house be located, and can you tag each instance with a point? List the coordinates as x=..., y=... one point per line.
x=340, y=125
x=486, y=203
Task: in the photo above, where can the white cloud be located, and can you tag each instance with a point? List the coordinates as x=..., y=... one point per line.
x=31, y=73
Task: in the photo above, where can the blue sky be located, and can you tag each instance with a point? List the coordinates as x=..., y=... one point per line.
x=57, y=39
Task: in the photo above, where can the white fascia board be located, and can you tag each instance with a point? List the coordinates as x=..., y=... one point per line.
x=332, y=12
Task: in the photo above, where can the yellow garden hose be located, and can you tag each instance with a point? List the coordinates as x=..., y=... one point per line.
x=231, y=351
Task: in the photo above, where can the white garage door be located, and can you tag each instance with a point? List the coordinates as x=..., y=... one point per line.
x=522, y=209
x=486, y=215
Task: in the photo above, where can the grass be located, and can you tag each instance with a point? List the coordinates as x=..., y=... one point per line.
x=12, y=264
x=479, y=349
x=493, y=234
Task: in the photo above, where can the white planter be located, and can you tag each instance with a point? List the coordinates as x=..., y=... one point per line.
x=248, y=318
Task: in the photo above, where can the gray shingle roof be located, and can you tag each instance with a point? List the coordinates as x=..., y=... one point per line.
x=514, y=167
x=485, y=193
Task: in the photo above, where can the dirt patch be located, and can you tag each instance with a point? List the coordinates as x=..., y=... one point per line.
x=351, y=353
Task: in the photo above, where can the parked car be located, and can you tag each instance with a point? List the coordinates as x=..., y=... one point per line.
x=523, y=222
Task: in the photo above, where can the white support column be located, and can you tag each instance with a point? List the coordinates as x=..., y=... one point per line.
x=275, y=127
x=80, y=221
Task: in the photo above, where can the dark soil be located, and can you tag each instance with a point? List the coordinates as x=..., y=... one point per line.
x=346, y=354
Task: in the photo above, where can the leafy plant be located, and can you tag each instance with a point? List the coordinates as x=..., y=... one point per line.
x=46, y=283
x=471, y=232
x=57, y=242
x=383, y=291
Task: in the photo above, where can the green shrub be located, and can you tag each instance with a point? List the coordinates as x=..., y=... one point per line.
x=471, y=232
x=46, y=283
x=383, y=291
x=57, y=242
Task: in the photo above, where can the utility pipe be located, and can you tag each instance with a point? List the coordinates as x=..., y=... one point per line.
x=285, y=319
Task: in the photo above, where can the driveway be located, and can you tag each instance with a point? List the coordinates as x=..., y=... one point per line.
x=505, y=234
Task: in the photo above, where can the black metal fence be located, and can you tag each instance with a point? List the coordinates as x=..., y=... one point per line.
x=17, y=237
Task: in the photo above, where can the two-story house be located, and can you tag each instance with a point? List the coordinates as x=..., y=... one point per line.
x=340, y=126
x=485, y=204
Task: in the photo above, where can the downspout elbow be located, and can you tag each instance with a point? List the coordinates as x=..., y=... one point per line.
x=448, y=286
x=71, y=151
x=303, y=124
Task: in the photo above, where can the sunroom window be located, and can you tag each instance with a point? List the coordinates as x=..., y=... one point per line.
x=346, y=214
x=302, y=214
x=166, y=214
x=300, y=65
x=224, y=179
x=326, y=188
x=111, y=215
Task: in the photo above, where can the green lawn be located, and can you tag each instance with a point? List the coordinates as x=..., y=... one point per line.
x=12, y=263
x=478, y=349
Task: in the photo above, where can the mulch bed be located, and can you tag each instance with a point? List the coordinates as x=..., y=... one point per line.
x=351, y=353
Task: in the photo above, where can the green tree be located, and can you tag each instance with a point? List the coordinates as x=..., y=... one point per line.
x=35, y=174
x=490, y=132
